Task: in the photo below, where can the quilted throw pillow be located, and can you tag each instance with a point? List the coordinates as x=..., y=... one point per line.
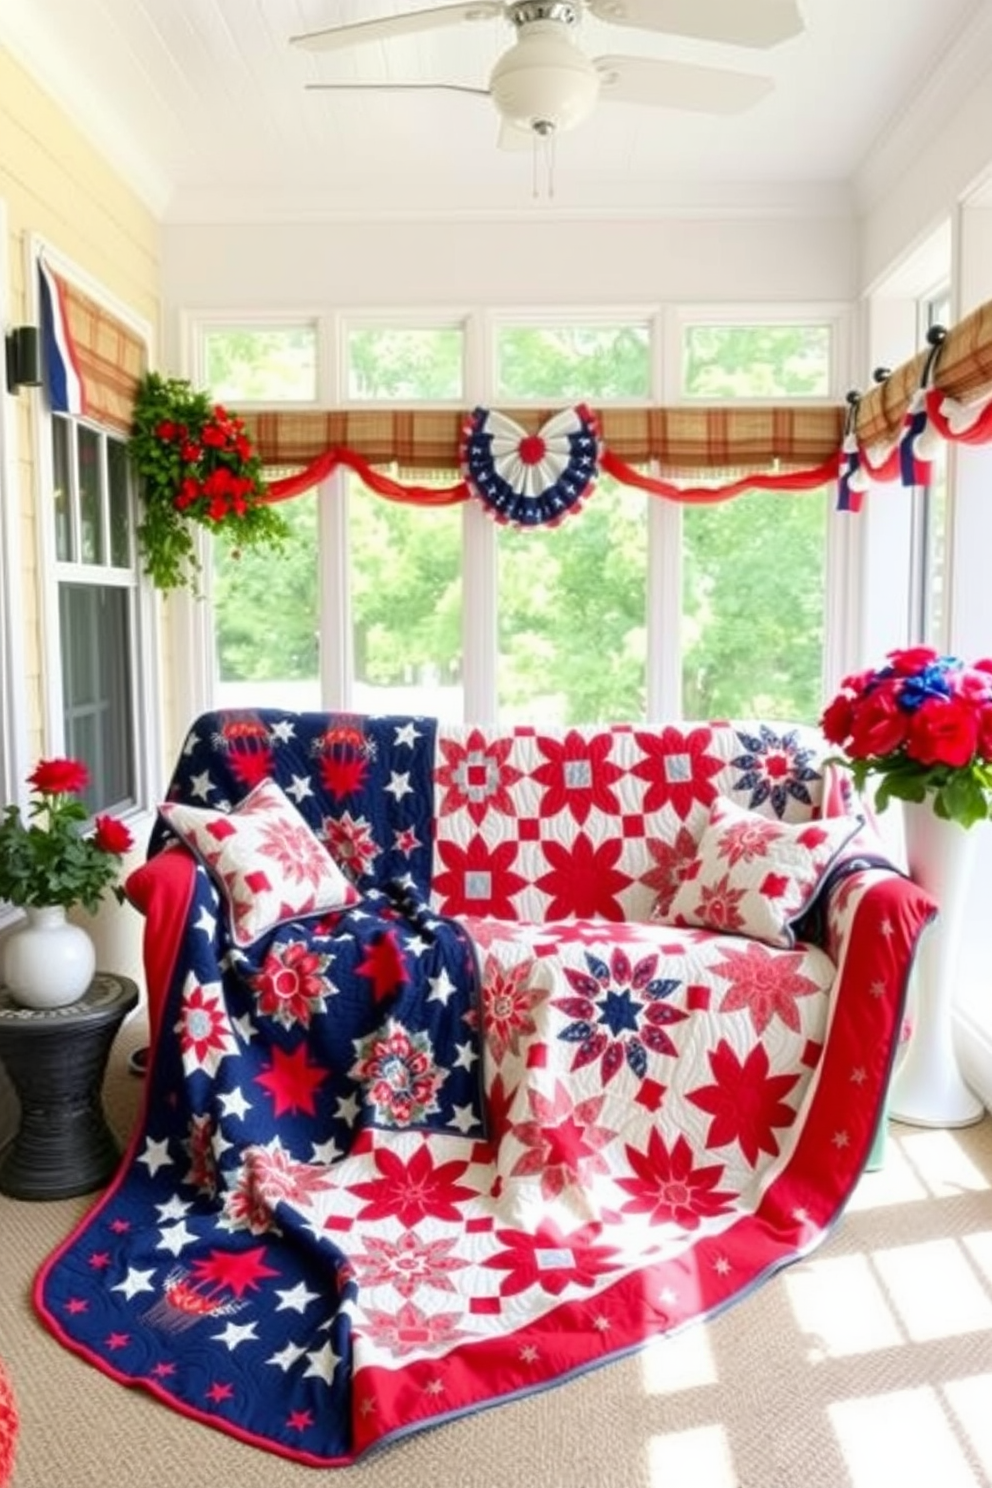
x=265, y=860
x=753, y=875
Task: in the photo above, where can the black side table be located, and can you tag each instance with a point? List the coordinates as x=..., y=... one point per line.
x=56, y=1059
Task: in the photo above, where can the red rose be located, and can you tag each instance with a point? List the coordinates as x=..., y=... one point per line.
x=59, y=777
x=214, y=436
x=943, y=733
x=985, y=665
x=112, y=836
x=836, y=721
x=985, y=733
x=858, y=682
x=165, y=430
x=912, y=659
x=878, y=725
x=191, y=452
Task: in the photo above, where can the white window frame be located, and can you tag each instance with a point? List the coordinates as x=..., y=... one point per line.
x=146, y=641
x=13, y=693
x=480, y=325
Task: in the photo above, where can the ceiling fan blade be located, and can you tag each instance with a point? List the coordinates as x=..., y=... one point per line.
x=750, y=23
x=334, y=37
x=395, y=88
x=677, y=85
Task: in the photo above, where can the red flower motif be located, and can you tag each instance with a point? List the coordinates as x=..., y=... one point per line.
x=478, y=879
x=409, y=1330
x=746, y=1102
x=551, y=1259
x=508, y=1005
x=563, y=1141
x=583, y=880
x=677, y=769
x=671, y=859
x=408, y=1262
x=415, y=1190
x=291, y=985
x=351, y=842
x=476, y=775
x=719, y=906
x=668, y=1189
x=578, y=775
x=766, y=983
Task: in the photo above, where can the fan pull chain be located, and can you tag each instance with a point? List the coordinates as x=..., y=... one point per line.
x=543, y=152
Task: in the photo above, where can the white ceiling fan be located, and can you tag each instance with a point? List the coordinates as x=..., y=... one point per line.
x=545, y=84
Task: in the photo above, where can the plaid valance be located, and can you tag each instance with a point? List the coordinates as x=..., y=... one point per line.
x=680, y=440
x=94, y=361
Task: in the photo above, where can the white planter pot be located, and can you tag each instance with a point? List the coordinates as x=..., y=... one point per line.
x=928, y=1089
x=47, y=962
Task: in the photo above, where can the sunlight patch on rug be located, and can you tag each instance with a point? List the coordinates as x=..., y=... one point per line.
x=903, y=1438
x=683, y=1361
x=841, y=1309
x=701, y=1456
x=956, y=1303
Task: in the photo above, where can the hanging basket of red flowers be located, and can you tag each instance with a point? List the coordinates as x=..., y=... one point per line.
x=195, y=464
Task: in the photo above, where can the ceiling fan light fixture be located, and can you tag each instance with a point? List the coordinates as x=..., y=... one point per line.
x=544, y=83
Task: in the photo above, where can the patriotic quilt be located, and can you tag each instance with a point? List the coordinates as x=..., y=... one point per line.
x=593, y=1040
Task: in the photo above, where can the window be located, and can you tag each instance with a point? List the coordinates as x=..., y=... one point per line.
x=97, y=608
x=271, y=364
x=568, y=363
x=404, y=364
x=754, y=569
x=756, y=361
x=930, y=515
x=267, y=627
x=632, y=607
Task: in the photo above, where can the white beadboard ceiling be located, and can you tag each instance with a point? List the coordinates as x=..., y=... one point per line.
x=202, y=106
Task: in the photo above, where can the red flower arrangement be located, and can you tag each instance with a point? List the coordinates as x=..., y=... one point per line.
x=56, y=863
x=195, y=463
x=923, y=724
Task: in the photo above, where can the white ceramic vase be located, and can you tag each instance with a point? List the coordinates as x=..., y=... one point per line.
x=928, y=1088
x=47, y=961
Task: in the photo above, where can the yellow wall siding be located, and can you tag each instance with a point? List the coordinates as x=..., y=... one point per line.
x=55, y=186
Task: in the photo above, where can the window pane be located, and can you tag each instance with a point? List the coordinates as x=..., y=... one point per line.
x=118, y=490
x=61, y=495
x=406, y=592
x=95, y=634
x=572, y=638
x=405, y=363
x=267, y=618
x=752, y=610
x=935, y=552
x=756, y=361
x=91, y=542
x=573, y=362
x=275, y=364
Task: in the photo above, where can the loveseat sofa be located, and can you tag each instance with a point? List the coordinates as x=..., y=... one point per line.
x=480, y=1056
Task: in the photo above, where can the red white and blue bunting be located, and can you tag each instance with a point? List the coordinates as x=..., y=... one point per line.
x=530, y=480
